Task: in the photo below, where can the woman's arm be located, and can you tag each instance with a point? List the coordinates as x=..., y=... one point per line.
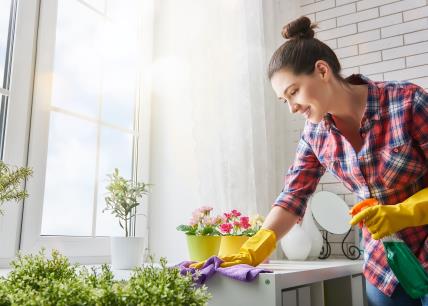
x=280, y=221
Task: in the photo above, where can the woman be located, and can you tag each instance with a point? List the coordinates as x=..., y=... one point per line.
x=371, y=135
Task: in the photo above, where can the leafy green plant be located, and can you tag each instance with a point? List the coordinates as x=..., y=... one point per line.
x=153, y=285
x=11, y=179
x=105, y=290
x=36, y=280
x=123, y=197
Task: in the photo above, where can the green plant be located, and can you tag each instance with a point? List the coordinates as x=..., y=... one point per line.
x=105, y=290
x=11, y=179
x=153, y=285
x=123, y=198
x=36, y=280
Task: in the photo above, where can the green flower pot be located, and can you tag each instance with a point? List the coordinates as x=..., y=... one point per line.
x=202, y=247
x=231, y=245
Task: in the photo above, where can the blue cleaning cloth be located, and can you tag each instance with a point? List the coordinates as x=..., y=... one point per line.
x=240, y=272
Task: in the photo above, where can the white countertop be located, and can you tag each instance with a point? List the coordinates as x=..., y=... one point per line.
x=296, y=273
x=267, y=288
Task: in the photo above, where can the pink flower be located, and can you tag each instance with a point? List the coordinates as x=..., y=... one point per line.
x=245, y=222
x=226, y=227
x=197, y=214
x=227, y=216
x=237, y=224
x=208, y=221
x=193, y=221
x=235, y=213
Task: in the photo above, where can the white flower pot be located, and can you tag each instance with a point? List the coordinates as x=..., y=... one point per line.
x=126, y=252
x=296, y=244
x=309, y=226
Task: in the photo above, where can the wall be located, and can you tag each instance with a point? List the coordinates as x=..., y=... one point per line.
x=385, y=40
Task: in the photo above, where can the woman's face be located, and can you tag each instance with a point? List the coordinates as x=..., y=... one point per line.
x=308, y=95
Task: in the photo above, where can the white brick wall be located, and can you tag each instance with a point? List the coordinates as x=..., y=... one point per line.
x=383, y=39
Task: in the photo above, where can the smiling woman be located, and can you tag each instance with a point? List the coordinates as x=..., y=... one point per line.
x=351, y=125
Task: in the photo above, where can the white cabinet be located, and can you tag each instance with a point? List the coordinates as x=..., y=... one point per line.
x=294, y=283
x=297, y=296
x=289, y=297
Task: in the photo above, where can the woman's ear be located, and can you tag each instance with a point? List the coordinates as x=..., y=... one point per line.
x=322, y=69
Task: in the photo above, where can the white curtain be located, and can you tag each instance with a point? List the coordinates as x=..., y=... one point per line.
x=229, y=112
x=218, y=130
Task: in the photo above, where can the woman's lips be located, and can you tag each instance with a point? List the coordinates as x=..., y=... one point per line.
x=307, y=112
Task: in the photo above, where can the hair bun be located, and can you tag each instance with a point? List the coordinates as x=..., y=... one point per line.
x=298, y=28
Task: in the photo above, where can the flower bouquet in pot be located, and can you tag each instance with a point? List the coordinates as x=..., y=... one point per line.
x=122, y=200
x=202, y=234
x=235, y=230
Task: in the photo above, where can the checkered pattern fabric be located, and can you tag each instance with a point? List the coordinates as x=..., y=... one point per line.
x=391, y=165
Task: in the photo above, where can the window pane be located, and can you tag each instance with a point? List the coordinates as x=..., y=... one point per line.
x=97, y=4
x=119, y=88
x=115, y=152
x=120, y=57
x=76, y=84
x=5, y=6
x=70, y=176
x=94, y=81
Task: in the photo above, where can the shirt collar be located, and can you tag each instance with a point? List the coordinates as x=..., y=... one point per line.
x=372, y=110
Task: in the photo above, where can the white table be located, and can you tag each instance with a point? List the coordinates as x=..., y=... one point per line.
x=295, y=283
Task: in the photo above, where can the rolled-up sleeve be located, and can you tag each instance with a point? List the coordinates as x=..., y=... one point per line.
x=301, y=180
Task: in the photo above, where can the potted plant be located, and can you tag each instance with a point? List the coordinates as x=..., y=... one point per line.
x=236, y=229
x=202, y=235
x=11, y=179
x=36, y=280
x=122, y=200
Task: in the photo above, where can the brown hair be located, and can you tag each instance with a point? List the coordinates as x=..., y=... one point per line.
x=301, y=50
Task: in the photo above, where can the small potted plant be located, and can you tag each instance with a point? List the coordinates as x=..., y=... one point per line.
x=236, y=229
x=122, y=200
x=203, y=237
x=11, y=180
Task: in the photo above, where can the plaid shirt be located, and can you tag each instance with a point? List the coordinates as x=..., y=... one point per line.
x=391, y=165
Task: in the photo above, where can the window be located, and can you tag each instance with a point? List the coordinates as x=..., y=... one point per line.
x=18, y=24
x=85, y=122
x=7, y=33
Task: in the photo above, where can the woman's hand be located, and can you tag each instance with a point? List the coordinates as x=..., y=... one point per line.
x=253, y=251
x=383, y=220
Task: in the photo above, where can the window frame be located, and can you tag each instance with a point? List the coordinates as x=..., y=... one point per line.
x=4, y=89
x=85, y=250
x=18, y=118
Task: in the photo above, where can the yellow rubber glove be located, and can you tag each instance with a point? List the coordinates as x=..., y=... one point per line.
x=253, y=251
x=383, y=220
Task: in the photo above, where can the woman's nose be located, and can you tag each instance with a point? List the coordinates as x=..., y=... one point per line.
x=293, y=107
